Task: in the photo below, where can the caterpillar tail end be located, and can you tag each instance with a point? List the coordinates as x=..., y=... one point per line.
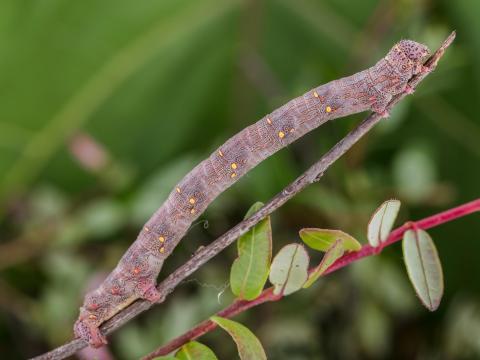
x=89, y=331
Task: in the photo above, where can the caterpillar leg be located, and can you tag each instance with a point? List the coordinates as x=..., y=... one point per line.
x=422, y=69
x=409, y=90
x=89, y=331
x=384, y=114
x=381, y=109
x=149, y=292
x=378, y=104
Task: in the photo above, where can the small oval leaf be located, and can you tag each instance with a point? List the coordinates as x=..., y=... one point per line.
x=382, y=221
x=249, y=271
x=195, y=350
x=289, y=270
x=423, y=267
x=334, y=253
x=323, y=239
x=249, y=347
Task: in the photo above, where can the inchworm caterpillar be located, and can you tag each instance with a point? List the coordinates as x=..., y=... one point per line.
x=136, y=273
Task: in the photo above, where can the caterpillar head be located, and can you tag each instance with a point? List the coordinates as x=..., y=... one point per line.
x=414, y=50
x=408, y=56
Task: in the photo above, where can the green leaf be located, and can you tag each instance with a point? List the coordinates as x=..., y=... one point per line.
x=249, y=347
x=289, y=270
x=195, y=351
x=381, y=222
x=323, y=239
x=415, y=172
x=102, y=218
x=156, y=188
x=423, y=267
x=138, y=36
x=249, y=271
x=334, y=252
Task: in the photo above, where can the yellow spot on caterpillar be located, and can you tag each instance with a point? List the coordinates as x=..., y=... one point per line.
x=328, y=109
x=162, y=249
x=192, y=200
x=161, y=239
x=281, y=134
x=269, y=121
x=233, y=175
x=193, y=211
x=234, y=166
x=178, y=190
x=92, y=317
x=315, y=94
x=220, y=153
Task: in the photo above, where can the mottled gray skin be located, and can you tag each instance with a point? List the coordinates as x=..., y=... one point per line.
x=136, y=273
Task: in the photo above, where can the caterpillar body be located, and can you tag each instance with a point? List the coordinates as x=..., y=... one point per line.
x=135, y=275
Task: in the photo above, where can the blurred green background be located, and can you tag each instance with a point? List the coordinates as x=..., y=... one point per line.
x=105, y=105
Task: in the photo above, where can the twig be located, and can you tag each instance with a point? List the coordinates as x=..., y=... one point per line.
x=237, y=307
x=313, y=174
x=397, y=234
x=267, y=295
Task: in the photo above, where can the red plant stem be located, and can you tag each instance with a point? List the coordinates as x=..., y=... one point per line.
x=267, y=295
x=397, y=234
x=237, y=307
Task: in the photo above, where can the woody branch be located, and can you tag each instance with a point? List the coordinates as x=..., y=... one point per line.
x=313, y=174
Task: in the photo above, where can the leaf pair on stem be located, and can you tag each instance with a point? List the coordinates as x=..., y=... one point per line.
x=419, y=253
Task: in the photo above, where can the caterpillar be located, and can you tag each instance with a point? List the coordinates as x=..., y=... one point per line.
x=135, y=275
